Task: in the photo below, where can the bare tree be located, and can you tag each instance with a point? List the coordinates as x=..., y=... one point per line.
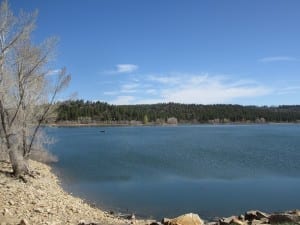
x=28, y=88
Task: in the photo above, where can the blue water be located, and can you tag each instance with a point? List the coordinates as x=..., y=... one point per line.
x=212, y=170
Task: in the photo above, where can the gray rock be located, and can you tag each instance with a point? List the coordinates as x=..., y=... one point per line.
x=257, y=222
x=236, y=221
x=212, y=223
x=255, y=215
x=131, y=217
x=165, y=221
x=284, y=218
x=226, y=220
x=242, y=217
x=156, y=223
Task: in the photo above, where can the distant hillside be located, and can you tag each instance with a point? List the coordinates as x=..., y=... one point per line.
x=100, y=112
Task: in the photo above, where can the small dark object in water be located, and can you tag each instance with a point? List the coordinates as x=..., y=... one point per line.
x=102, y=131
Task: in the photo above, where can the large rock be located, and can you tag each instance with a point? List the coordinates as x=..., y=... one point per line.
x=236, y=221
x=226, y=220
x=233, y=220
x=260, y=222
x=186, y=219
x=165, y=220
x=255, y=215
x=284, y=218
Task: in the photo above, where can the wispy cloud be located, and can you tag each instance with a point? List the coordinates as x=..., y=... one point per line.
x=123, y=68
x=110, y=92
x=129, y=88
x=205, y=89
x=189, y=88
x=289, y=90
x=123, y=100
x=53, y=72
x=151, y=91
x=164, y=79
x=277, y=59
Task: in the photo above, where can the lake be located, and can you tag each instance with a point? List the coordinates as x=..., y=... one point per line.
x=212, y=170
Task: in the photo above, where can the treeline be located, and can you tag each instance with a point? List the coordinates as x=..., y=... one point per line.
x=87, y=111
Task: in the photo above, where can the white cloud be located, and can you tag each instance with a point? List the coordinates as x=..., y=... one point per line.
x=151, y=91
x=130, y=86
x=189, y=88
x=123, y=100
x=164, y=79
x=204, y=89
x=53, y=72
x=277, y=59
x=123, y=68
x=289, y=90
x=110, y=92
x=126, y=68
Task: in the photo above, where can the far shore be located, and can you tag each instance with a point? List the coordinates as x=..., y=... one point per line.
x=78, y=124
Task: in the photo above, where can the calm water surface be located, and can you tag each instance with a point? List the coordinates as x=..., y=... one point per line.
x=166, y=171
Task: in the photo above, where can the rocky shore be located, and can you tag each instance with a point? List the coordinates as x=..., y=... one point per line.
x=42, y=201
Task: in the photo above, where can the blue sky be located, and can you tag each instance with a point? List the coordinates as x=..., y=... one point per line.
x=149, y=51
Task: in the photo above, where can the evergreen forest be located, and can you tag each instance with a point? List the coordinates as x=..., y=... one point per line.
x=100, y=112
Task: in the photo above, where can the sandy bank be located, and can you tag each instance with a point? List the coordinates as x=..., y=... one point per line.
x=42, y=201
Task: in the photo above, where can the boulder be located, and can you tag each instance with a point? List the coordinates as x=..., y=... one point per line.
x=165, y=220
x=156, y=223
x=131, y=217
x=236, y=221
x=284, y=218
x=226, y=220
x=255, y=215
x=186, y=219
x=233, y=220
x=242, y=218
x=260, y=222
x=212, y=223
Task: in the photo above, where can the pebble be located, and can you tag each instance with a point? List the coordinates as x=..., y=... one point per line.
x=11, y=202
x=23, y=222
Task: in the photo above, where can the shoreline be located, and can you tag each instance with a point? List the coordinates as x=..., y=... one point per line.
x=43, y=201
x=164, y=125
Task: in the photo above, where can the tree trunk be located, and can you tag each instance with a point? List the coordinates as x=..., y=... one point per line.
x=18, y=162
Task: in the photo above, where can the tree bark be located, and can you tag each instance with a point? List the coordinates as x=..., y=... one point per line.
x=19, y=163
